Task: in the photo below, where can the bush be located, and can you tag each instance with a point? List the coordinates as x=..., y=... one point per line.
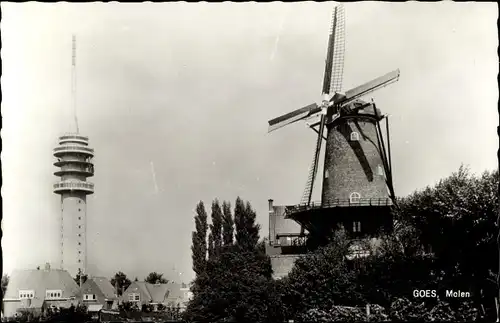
x=403, y=309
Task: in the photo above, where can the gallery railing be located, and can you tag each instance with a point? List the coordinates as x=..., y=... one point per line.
x=339, y=203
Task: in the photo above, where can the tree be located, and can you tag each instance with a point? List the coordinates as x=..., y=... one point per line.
x=238, y=283
x=216, y=227
x=247, y=231
x=120, y=282
x=210, y=246
x=320, y=280
x=240, y=288
x=199, y=238
x=456, y=220
x=155, y=278
x=82, y=276
x=227, y=224
x=5, y=282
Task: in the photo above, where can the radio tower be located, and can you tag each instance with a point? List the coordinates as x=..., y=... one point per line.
x=74, y=159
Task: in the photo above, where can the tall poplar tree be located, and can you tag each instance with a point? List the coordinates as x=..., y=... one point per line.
x=227, y=224
x=199, y=237
x=210, y=245
x=216, y=227
x=247, y=231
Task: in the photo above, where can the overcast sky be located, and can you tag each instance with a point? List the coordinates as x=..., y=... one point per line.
x=189, y=88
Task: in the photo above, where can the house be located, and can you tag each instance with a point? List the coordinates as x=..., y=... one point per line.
x=141, y=293
x=97, y=293
x=35, y=290
x=178, y=295
x=170, y=294
x=187, y=295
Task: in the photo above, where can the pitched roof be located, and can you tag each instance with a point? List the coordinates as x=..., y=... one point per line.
x=39, y=281
x=174, y=291
x=104, y=286
x=158, y=292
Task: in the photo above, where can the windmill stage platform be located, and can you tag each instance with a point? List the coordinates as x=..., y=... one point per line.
x=320, y=219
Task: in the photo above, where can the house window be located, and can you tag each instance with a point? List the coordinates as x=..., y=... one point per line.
x=354, y=136
x=134, y=297
x=26, y=294
x=326, y=173
x=356, y=226
x=89, y=297
x=53, y=294
x=380, y=171
x=355, y=197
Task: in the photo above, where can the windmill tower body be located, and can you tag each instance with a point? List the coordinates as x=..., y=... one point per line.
x=74, y=159
x=353, y=166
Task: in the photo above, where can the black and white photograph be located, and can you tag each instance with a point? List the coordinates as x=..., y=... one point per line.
x=250, y=161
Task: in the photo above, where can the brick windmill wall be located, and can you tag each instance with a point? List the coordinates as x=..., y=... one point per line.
x=353, y=165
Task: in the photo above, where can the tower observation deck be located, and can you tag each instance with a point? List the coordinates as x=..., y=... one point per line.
x=74, y=160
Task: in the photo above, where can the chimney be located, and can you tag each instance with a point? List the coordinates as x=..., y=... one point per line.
x=271, y=211
x=47, y=266
x=270, y=205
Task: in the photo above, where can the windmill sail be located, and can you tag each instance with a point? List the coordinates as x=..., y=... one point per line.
x=293, y=116
x=371, y=86
x=332, y=83
x=338, y=51
x=334, y=67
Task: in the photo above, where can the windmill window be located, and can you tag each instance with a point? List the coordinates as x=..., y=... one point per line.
x=326, y=173
x=355, y=197
x=356, y=226
x=354, y=136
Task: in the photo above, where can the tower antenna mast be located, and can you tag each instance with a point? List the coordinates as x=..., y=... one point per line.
x=73, y=81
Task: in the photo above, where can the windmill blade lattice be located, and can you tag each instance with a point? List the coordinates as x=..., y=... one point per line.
x=332, y=83
x=310, y=183
x=338, y=27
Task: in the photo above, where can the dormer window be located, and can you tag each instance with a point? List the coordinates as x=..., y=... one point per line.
x=26, y=294
x=134, y=297
x=89, y=297
x=354, y=136
x=53, y=294
x=355, y=197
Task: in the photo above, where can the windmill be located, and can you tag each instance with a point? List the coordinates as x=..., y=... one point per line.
x=357, y=166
